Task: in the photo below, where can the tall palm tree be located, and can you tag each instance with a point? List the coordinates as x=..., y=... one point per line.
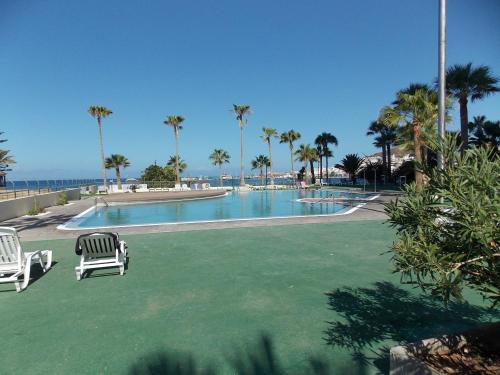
x=220, y=157
x=241, y=111
x=351, y=164
x=416, y=108
x=386, y=136
x=319, y=153
x=260, y=162
x=323, y=140
x=376, y=128
x=290, y=137
x=307, y=154
x=175, y=122
x=116, y=161
x=267, y=135
x=100, y=112
x=464, y=82
x=182, y=164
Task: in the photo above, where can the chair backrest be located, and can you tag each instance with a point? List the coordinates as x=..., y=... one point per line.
x=98, y=245
x=11, y=252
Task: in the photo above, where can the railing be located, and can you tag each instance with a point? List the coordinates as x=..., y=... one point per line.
x=25, y=188
x=18, y=189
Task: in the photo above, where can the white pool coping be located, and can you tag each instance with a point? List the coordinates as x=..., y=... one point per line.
x=76, y=219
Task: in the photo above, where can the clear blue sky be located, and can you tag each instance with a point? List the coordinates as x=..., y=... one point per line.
x=308, y=65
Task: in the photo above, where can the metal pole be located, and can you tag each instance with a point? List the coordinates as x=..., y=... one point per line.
x=442, y=77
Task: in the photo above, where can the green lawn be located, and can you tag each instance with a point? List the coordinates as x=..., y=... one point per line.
x=213, y=294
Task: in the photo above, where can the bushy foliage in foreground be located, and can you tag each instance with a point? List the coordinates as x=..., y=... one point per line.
x=448, y=234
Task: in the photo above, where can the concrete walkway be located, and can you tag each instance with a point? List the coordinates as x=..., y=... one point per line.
x=45, y=227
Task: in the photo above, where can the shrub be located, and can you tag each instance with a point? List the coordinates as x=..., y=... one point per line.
x=448, y=234
x=36, y=209
x=62, y=198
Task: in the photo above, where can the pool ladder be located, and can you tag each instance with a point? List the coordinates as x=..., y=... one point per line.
x=103, y=201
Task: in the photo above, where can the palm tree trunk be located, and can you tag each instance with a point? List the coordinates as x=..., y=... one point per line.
x=419, y=177
x=384, y=158
x=313, y=177
x=118, y=178
x=320, y=168
x=291, y=160
x=389, y=162
x=326, y=162
x=220, y=176
x=242, y=165
x=464, y=120
x=262, y=176
x=271, y=162
x=103, y=163
x=177, y=174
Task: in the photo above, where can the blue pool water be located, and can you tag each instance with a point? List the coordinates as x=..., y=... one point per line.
x=263, y=204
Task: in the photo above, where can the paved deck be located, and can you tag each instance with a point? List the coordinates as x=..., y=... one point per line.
x=45, y=227
x=319, y=292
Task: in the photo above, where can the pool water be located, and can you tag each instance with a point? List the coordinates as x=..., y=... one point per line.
x=234, y=206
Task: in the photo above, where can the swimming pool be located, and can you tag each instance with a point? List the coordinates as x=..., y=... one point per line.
x=233, y=206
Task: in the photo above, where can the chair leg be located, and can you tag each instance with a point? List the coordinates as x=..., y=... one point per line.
x=48, y=259
x=78, y=275
x=26, y=278
x=18, y=286
x=122, y=270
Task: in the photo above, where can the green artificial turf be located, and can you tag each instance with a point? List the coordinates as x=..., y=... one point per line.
x=213, y=295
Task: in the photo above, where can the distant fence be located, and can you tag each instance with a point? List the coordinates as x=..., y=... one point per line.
x=26, y=188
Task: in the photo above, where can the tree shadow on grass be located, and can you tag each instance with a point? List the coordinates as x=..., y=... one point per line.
x=385, y=312
x=258, y=360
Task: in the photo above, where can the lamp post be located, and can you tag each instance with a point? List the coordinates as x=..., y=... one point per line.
x=442, y=77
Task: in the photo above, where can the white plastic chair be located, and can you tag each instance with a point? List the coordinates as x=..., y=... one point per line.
x=15, y=263
x=100, y=250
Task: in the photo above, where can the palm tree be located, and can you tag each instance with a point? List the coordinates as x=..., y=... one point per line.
x=267, y=135
x=220, y=157
x=5, y=158
x=175, y=122
x=351, y=164
x=290, y=137
x=99, y=112
x=319, y=153
x=485, y=133
x=464, y=82
x=116, y=161
x=307, y=154
x=323, y=140
x=376, y=128
x=260, y=162
x=386, y=136
x=241, y=111
x=416, y=109
x=182, y=164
